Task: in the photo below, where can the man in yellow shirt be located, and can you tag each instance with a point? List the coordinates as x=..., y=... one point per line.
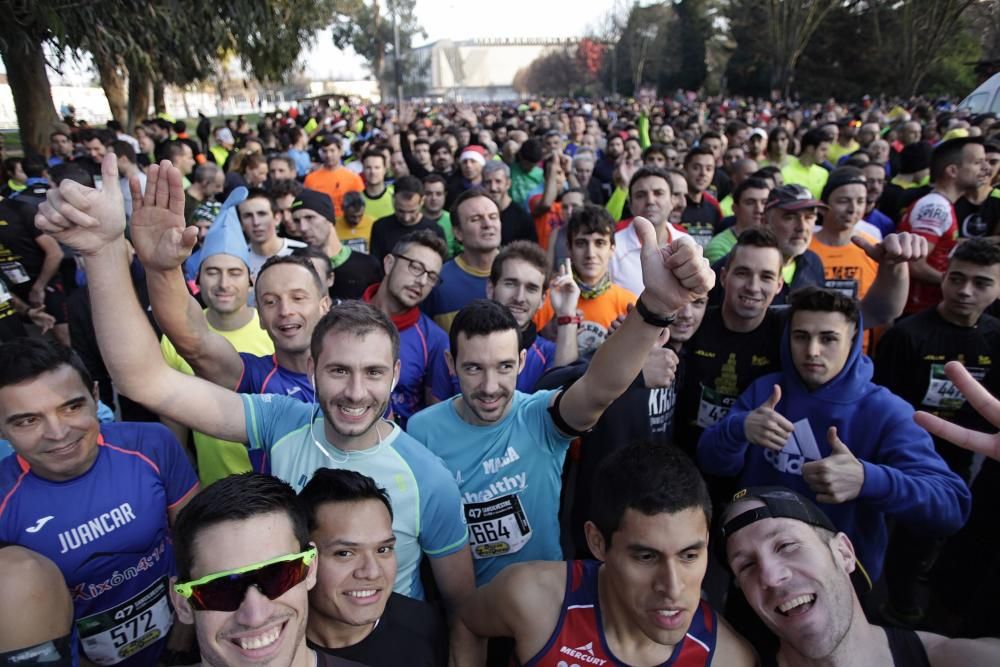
x=805, y=169
x=354, y=227
x=224, y=284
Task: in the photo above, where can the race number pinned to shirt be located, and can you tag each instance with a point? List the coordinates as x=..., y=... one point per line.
x=15, y=273
x=5, y=294
x=714, y=406
x=848, y=288
x=497, y=527
x=110, y=636
x=942, y=394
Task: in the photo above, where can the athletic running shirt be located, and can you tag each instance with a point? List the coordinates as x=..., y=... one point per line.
x=221, y=458
x=905, y=648
x=11, y=326
x=255, y=261
x=847, y=269
x=425, y=498
x=597, y=313
x=381, y=206
x=335, y=182
x=934, y=218
x=813, y=177
x=700, y=219
x=422, y=365
x=579, y=638
x=263, y=375
x=509, y=474
x=107, y=532
x=538, y=358
x=720, y=364
x=460, y=284
x=977, y=220
x=358, y=237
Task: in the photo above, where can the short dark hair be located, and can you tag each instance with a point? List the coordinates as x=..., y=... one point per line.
x=648, y=172
x=123, y=149
x=948, y=153
x=373, y=152
x=297, y=260
x=527, y=251
x=24, y=359
x=284, y=188
x=311, y=252
x=425, y=238
x=175, y=149
x=35, y=165
x=235, y=498
x=480, y=317
x=648, y=478
x=696, y=151
x=357, y=318
x=590, y=219
x=755, y=237
x=407, y=186
x=770, y=171
x=329, y=485
x=434, y=178
x=750, y=183
x=71, y=171
x=438, y=145
x=814, y=138
x=283, y=157
x=709, y=134
x=472, y=193
x=260, y=193
x=976, y=251
x=819, y=299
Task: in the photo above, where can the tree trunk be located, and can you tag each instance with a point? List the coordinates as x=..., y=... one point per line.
x=159, y=96
x=113, y=84
x=138, y=96
x=29, y=85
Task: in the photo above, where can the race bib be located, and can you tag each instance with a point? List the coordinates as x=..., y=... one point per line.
x=15, y=272
x=713, y=406
x=848, y=288
x=4, y=293
x=497, y=527
x=110, y=636
x=944, y=395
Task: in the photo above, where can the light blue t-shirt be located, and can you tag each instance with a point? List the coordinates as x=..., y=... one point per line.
x=510, y=477
x=426, y=507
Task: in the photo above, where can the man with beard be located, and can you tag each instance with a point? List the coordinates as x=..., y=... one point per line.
x=246, y=566
x=224, y=284
x=507, y=448
x=351, y=358
x=411, y=271
x=353, y=271
x=795, y=569
x=517, y=281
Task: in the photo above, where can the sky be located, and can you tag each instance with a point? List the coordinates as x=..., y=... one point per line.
x=452, y=19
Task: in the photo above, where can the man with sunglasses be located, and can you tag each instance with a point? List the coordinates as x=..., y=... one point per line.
x=412, y=270
x=245, y=567
x=352, y=356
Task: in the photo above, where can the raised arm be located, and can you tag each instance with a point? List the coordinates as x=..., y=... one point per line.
x=887, y=296
x=674, y=275
x=93, y=223
x=162, y=243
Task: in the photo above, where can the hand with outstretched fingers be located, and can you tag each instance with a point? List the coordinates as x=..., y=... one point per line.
x=674, y=274
x=895, y=248
x=160, y=235
x=765, y=426
x=982, y=401
x=85, y=219
x=838, y=478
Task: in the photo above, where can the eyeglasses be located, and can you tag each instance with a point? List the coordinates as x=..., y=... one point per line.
x=224, y=591
x=417, y=269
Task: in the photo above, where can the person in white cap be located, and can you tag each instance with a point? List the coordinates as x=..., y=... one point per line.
x=471, y=161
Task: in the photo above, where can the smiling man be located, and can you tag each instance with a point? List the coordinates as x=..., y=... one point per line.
x=640, y=602
x=795, y=568
x=354, y=612
x=96, y=499
x=245, y=568
x=821, y=427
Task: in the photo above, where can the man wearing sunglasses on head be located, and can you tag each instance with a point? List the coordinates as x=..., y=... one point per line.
x=245, y=567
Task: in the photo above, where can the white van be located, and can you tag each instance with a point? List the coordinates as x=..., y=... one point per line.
x=985, y=98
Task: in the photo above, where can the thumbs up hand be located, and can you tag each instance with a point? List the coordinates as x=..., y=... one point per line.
x=839, y=477
x=765, y=427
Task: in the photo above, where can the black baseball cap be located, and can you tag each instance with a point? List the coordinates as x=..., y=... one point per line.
x=783, y=503
x=792, y=197
x=312, y=200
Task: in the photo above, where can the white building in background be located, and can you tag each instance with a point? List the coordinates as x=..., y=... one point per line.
x=481, y=69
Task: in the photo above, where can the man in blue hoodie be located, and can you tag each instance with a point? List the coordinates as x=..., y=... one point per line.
x=790, y=428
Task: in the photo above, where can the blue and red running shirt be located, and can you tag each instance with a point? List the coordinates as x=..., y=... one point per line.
x=108, y=533
x=579, y=634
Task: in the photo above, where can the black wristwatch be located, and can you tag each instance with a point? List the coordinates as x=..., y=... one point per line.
x=649, y=317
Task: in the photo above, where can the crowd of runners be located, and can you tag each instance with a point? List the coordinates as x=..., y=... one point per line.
x=560, y=383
